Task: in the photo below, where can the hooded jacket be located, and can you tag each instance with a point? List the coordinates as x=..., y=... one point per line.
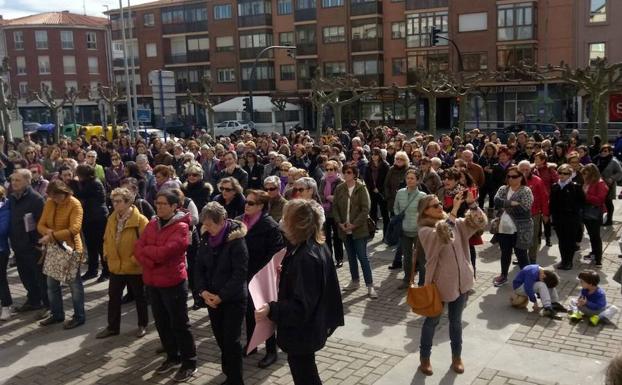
x=161, y=251
x=222, y=270
x=65, y=220
x=359, y=209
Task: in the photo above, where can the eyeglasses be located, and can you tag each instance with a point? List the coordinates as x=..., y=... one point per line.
x=565, y=173
x=226, y=189
x=514, y=176
x=194, y=174
x=330, y=169
x=271, y=188
x=117, y=201
x=434, y=206
x=299, y=190
x=251, y=203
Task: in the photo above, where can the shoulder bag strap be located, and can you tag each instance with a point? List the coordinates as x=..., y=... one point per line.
x=408, y=204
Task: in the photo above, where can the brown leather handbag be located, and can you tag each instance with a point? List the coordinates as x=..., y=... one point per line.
x=425, y=300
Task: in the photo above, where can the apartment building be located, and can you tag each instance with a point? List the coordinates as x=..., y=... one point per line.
x=58, y=49
x=379, y=42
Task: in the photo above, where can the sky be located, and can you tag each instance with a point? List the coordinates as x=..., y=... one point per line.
x=11, y=9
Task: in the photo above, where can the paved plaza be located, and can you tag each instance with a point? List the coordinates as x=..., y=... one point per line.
x=378, y=345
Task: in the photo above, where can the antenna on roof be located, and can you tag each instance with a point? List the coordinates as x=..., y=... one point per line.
x=84, y=7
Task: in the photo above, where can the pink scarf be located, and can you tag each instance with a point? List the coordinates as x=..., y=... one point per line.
x=328, y=187
x=250, y=221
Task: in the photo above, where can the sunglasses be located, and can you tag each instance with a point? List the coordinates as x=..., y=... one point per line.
x=271, y=188
x=226, y=189
x=330, y=169
x=514, y=176
x=565, y=173
x=435, y=206
x=251, y=203
x=194, y=174
x=299, y=190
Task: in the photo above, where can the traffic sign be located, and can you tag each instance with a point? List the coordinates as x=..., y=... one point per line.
x=144, y=115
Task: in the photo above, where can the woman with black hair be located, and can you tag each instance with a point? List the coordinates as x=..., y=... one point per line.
x=133, y=171
x=559, y=153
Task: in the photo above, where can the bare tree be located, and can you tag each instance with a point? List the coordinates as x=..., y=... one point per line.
x=54, y=103
x=432, y=85
x=204, y=100
x=111, y=96
x=8, y=102
x=72, y=95
x=280, y=105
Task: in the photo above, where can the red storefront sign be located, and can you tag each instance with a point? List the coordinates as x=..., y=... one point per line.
x=615, y=108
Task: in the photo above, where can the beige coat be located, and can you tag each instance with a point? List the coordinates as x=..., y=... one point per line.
x=448, y=262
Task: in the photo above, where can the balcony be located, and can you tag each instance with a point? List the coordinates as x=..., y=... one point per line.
x=426, y=4
x=358, y=8
x=183, y=86
x=363, y=45
x=169, y=29
x=305, y=14
x=120, y=62
x=306, y=49
x=260, y=85
x=255, y=20
x=371, y=80
x=188, y=57
x=251, y=53
x=118, y=35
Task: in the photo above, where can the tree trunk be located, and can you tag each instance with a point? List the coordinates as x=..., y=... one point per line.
x=602, y=120
x=462, y=113
x=337, y=107
x=432, y=114
x=58, y=113
x=594, y=113
x=318, y=122
x=210, y=120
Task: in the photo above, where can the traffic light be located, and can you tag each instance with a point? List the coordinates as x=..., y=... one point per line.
x=434, y=32
x=246, y=102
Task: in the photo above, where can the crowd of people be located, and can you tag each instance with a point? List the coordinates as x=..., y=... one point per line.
x=166, y=220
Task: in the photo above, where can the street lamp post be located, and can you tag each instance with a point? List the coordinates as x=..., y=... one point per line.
x=130, y=115
x=251, y=84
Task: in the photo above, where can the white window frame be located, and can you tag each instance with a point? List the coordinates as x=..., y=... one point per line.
x=20, y=70
x=18, y=43
x=151, y=50
x=96, y=67
x=226, y=75
x=40, y=60
x=23, y=89
x=471, y=22
x=41, y=43
x=91, y=40
x=66, y=43
x=68, y=69
x=220, y=12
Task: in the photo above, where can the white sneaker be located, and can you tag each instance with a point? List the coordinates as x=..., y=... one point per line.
x=5, y=314
x=609, y=313
x=371, y=292
x=353, y=285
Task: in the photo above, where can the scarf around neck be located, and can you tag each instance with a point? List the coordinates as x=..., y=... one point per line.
x=217, y=240
x=250, y=221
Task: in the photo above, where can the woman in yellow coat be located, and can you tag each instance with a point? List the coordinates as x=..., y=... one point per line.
x=61, y=221
x=123, y=229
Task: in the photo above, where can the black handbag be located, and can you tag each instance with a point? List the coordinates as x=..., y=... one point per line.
x=394, y=228
x=592, y=213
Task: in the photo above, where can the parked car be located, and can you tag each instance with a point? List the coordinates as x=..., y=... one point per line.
x=229, y=127
x=178, y=129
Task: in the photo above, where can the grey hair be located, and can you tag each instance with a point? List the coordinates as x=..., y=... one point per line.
x=234, y=183
x=524, y=163
x=213, y=211
x=436, y=161
x=24, y=173
x=94, y=153
x=309, y=182
x=142, y=158
x=194, y=168
x=273, y=179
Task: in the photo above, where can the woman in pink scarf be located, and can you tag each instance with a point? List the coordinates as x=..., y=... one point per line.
x=328, y=184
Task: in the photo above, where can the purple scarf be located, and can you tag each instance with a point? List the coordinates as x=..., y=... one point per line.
x=328, y=187
x=250, y=221
x=217, y=240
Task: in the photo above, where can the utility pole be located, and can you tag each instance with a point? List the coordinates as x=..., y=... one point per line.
x=130, y=116
x=132, y=93
x=291, y=52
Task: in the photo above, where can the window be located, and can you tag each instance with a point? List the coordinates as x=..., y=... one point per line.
x=20, y=64
x=418, y=28
x=477, y=61
x=222, y=11
x=398, y=30
x=366, y=67
x=429, y=61
x=23, y=89
x=66, y=39
x=286, y=38
x=41, y=39
x=198, y=44
x=18, y=39
x=515, y=22
x=332, y=3
x=398, y=66
x=93, y=65
x=69, y=65
x=511, y=55
x=151, y=49
x=473, y=22
x=224, y=43
x=305, y=4
x=263, y=71
x=93, y=88
x=148, y=20
x=257, y=40
x=226, y=75
x=46, y=84
x=44, y=65
x=597, y=51
x=284, y=7
x=332, y=69
x=334, y=34
x=598, y=11
x=254, y=8
x=91, y=40
x=366, y=31
x=305, y=35
x=288, y=72
x=180, y=15
x=69, y=84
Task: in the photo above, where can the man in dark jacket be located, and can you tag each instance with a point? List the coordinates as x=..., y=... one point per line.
x=26, y=209
x=232, y=169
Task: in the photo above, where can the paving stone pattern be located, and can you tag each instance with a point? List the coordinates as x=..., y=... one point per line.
x=496, y=377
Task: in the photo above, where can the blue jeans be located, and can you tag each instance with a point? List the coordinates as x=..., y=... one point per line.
x=357, y=250
x=56, y=298
x=454, y=310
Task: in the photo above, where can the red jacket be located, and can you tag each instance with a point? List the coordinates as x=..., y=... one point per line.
x=540, y=196
x=162, y=251
x=596, y=193
x=548, y=174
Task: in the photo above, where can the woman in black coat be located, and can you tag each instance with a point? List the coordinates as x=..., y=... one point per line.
x=230, y=197
x=254, y=171
x=220, y=277
x=92, y=195
x=264, y=239
x=195, y=188
x=565, y=203
x=309, y=306
x=375, y=175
